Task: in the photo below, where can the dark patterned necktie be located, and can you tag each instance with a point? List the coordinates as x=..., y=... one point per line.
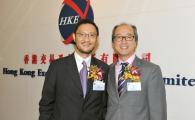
x=121, y=81
x=83, y=78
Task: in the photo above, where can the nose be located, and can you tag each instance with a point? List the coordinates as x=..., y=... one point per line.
x=123, y=39
x=87, y=37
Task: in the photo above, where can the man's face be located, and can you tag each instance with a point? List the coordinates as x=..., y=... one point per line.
x=124, y=42
x=85, y=38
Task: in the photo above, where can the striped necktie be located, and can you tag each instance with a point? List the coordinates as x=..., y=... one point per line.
x=121, y=81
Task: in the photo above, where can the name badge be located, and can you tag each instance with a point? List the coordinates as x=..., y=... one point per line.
x=98, y=85
x=133, y=86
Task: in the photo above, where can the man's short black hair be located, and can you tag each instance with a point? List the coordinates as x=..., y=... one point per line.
x=86, y=21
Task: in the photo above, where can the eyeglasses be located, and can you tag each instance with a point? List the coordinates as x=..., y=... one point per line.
x=84, y=35
x=127, y=38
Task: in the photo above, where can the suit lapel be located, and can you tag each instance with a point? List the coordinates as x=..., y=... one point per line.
x=112, y=80
x=90, y=82
x=74, y=73
x=137, y=62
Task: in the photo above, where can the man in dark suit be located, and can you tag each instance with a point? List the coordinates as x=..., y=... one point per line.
x=135, y=87
x=68, y=94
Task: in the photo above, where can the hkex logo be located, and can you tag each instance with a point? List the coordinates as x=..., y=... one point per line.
x=72, y=11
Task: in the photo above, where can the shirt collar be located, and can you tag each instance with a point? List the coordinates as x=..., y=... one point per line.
x=129, y=60
x=79, y=59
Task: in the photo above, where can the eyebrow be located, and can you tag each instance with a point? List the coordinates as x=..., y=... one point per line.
x=126, y=34
x=86, y=32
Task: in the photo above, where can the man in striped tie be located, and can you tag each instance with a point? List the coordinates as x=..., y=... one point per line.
x=135, y=87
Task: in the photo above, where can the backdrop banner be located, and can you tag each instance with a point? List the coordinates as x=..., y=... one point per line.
x=34, y=33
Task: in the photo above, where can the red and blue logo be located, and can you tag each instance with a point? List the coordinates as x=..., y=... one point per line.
x=73, y=11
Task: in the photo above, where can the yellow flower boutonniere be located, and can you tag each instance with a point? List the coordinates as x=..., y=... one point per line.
x=132, y=73
x=95, y=73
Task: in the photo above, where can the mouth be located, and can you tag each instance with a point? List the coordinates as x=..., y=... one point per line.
x=86, y=44
x=123, y=47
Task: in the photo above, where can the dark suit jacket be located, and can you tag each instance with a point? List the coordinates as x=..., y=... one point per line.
x=62, y=96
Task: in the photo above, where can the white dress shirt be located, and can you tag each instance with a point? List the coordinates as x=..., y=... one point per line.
x=79, y=61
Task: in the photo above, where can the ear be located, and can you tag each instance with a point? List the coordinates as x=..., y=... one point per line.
x=97, y=38
x=113, y=45
x=73, y=36
x=96, y=46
